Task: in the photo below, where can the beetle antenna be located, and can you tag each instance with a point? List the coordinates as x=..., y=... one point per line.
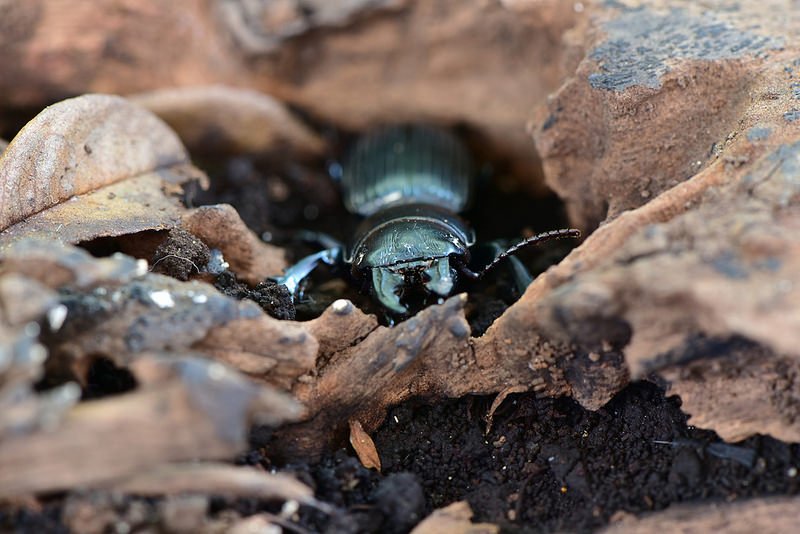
x=529, y=242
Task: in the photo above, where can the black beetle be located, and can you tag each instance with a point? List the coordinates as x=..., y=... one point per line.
x=409, y=182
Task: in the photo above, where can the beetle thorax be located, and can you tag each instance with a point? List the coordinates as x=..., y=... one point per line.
x=408, y=248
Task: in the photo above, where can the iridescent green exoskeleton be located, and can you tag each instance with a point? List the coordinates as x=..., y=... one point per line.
x=410, y=183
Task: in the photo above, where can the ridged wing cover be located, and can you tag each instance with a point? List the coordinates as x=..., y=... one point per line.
x=407, y=165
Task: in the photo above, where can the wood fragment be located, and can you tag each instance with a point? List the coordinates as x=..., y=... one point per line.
x=56, y=265
x=220, y=227
x=775, y=514
x=198, y=411
x=214, y=479
x=364, y=446
x=455, y=518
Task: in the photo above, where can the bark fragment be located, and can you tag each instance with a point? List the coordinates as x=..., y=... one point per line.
x=453, y=519
x=776, y=514
x=739, y=389
x=220, y=227
x=658, y=86
x=196, y=409
x=364, y=446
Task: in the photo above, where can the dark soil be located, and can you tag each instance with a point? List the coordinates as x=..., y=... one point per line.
x=273, y=298
x=180, y=255
x=546, y=465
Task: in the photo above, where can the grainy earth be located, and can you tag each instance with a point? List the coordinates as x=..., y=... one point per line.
x=546, y=465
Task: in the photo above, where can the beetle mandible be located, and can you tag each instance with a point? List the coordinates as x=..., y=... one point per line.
x=409, y=183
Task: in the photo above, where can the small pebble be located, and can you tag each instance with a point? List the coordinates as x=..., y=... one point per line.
x=342, y=307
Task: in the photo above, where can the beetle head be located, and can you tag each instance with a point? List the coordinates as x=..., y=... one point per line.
x=390, y=284
x=404, y=254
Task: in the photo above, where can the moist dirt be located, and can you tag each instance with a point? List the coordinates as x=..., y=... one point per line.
x=545, y=465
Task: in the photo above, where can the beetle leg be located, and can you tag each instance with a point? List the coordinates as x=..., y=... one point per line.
x=385, y=285
x=463, y=269
x=441, y=278
x=295, y=274
x=318, y=238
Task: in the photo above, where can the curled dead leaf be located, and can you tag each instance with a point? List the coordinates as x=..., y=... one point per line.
x=92, y=166
x=221, y=119
x=364, y=446
x=498, y=400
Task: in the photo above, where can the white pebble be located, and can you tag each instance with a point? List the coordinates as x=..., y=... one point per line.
x=162, y=299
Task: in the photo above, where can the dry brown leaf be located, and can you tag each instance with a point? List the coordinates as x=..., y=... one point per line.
x=222, y=119
x=249, y=257
x=455, y=518
x=78, y=146
x=498, y=400
x=88, y=167
x=364, y=446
